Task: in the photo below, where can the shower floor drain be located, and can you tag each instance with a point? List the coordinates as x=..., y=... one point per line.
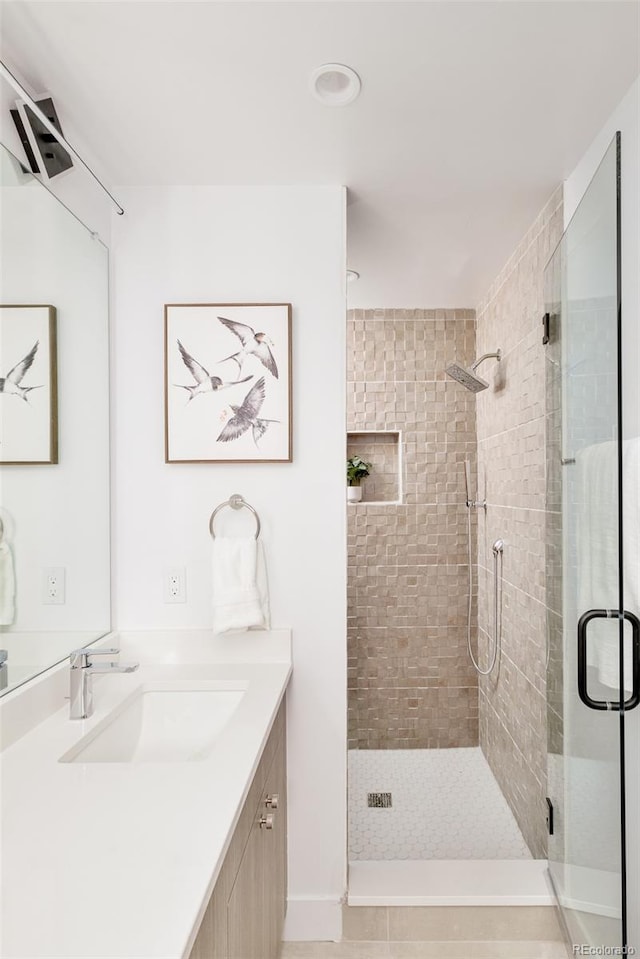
x=379, y=800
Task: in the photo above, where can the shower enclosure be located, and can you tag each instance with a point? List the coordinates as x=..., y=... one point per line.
x=544, y=730
x=593, y=674
x=428, y=821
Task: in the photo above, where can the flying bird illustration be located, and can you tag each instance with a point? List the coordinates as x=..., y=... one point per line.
x=246, y=416
x=253, y=344
x=10, y=384
x=204, y=382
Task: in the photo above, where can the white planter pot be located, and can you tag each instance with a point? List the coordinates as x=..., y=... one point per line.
x=354, y=494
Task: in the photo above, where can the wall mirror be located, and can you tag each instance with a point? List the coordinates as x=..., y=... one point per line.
x=54, y=429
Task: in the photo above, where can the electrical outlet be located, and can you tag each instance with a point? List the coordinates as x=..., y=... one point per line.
x=53, y=592
x=175, y=585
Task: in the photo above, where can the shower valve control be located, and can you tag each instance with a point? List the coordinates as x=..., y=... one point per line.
x=266, y=822
x=271, y=802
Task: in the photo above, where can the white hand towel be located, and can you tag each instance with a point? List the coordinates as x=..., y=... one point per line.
x=240, y=594
x=597, y=534
x=7, y=586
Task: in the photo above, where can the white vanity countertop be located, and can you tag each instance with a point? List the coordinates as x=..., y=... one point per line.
x=118, y=860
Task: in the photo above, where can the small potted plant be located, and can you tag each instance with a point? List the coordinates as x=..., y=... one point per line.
x=357, y=469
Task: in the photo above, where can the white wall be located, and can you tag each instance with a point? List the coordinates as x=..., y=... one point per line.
x=625, y=118
x=256, y=244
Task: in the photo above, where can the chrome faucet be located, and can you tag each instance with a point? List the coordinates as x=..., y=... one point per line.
x=80, y=682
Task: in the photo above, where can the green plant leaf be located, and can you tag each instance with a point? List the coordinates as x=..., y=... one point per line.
x=357, y=469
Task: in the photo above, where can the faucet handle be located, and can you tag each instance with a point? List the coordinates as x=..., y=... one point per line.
x=79, y=658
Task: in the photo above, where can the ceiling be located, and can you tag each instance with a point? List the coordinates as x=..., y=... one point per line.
x=470, y=114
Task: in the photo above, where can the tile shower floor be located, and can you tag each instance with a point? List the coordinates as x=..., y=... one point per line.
x=446, y=804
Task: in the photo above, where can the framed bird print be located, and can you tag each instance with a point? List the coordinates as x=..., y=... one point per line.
x=28, y=386
x=227, y=382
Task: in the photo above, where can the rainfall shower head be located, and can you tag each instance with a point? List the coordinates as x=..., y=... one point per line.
x=468, y=377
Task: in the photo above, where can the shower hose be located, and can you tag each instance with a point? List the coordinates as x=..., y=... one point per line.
x=497, y=601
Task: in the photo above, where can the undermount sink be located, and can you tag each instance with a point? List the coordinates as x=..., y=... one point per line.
x=161, y=723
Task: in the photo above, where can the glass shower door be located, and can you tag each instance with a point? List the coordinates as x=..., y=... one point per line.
x=590, y=683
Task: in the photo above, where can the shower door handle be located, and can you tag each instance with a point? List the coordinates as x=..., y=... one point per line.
x=583, y=624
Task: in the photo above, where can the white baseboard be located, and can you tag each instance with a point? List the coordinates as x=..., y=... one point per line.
x=313, y=920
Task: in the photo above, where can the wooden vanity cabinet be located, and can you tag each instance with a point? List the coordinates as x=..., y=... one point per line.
x=245, y=914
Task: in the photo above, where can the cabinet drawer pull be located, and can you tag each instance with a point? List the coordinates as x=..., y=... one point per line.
x=271, y=802
x=266, y=822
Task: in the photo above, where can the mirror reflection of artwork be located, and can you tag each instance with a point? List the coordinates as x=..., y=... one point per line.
x=228, y=383
x=28, y=395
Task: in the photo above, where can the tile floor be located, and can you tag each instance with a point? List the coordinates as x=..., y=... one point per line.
x=446, y=804
x=467, y=933
x=424, y=950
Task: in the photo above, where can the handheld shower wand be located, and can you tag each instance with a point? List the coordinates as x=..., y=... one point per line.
x=498, y=547
x=470, y=502
x=467, y=480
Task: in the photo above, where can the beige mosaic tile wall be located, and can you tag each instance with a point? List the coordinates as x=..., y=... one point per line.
x=512, y=416
x=411, y=684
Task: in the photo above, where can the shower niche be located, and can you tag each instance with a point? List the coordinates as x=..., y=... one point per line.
x=383, y=449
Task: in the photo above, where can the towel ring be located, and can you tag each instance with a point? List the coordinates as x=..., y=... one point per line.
x=235, y=502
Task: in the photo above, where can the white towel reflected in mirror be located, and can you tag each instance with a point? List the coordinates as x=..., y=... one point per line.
x=7, y=585
x=597, y=551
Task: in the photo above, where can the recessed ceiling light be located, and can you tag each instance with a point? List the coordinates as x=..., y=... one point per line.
x=352, y=276
x=335, y=85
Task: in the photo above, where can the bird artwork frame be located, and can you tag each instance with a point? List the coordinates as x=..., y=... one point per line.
x=28, y=385
x=228, y=396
